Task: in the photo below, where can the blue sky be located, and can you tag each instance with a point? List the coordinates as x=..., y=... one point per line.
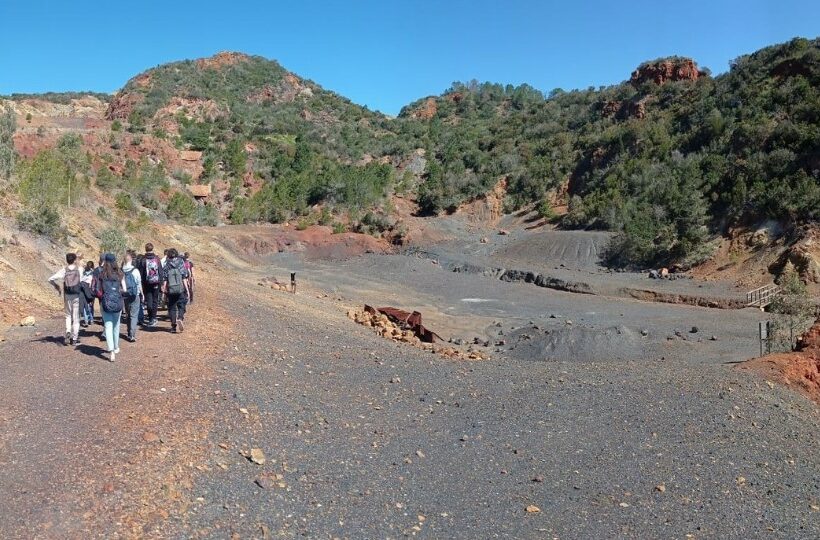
x=386, y=53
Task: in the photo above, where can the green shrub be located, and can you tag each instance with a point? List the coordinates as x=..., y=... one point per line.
x=106, y=179
x=124, y=202
x=546, y=211
x=43, y=220
x=181, y=207
x=339, y=228
x=113, y=240
x=206, y=215
x=116, y=125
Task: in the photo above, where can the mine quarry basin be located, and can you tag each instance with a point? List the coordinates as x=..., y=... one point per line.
x=524, y=321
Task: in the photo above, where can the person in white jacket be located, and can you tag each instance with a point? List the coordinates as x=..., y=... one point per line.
x=134, y=295
x=70, y=275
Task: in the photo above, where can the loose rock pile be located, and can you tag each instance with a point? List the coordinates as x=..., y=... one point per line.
x=387, y=329
x=274, y=284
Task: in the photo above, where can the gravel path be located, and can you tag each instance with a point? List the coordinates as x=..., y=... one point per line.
x=366, y=438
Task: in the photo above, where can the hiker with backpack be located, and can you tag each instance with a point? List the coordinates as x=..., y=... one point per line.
x=189, y=266
x=110, y=290
x=152, y=281
x=176, y=289
x=134, y=295
x=70, y=276
x=87, y=297
x=138, y=263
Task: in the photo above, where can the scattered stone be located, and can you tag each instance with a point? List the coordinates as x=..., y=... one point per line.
x=257, y=456
x=270, y=480
x=644, y=332
x=420, y=454
x=538, y=479
x=28, y=321
x=503, y=232
x=660, y=488
x=532, y=509
x=694, y=330
x=150, y=436
x=713, y=338
x=484, y=240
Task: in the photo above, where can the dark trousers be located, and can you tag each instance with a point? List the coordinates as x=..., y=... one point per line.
x=152, y=301
x=176, y=307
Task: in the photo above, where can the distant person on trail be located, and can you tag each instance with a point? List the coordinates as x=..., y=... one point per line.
x=152, y=280
x=176, y=290
x=87, y=297
x=138, y=264
x=134, y=295
x=163, y=301
x=111, y=288
x=189, y=266
x=70, y=276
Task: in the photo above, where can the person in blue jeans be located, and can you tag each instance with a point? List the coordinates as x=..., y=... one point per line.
x=111, y=288
x=134, y=295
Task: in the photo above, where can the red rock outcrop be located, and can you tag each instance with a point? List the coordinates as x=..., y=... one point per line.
x=662, y=71
x=122, y=105
x=221, y=59
x=426, y=111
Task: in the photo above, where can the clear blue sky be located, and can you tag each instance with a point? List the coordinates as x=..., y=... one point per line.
x=386, y=53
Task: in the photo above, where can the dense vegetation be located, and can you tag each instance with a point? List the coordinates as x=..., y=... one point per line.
x=742, y=146
x=666, y=165
x=58, y=97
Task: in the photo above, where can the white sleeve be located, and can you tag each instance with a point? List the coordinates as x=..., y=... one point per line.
x=58, y=276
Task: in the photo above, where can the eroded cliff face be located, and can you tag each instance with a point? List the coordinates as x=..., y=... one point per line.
x=662, y=71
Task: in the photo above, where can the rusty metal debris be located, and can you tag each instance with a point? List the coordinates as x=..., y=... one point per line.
x=407, y=320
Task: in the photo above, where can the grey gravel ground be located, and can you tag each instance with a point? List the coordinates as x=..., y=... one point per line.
x=369, y=435
x=594, y=410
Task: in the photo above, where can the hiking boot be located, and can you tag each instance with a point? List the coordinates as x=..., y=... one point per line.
x=131, y=339
x=67, y=339
x=181, y=325
x=116, y=351
x=112, y=356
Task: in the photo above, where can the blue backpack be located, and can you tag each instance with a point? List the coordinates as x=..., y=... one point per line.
x=111, y=296
x=132, y=288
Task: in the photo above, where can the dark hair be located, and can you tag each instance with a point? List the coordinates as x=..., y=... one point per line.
x=173, y=253
x=110, y=270
x=165, y=252
x=89, y=266
x=70, y=258
x=185, y=255
x=149, y=247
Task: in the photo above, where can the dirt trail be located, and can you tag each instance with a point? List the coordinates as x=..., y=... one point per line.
x=93, y=449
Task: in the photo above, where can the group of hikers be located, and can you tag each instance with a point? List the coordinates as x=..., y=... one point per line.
x=133, y=291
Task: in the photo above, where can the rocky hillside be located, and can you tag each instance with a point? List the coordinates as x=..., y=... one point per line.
x=672, y=158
